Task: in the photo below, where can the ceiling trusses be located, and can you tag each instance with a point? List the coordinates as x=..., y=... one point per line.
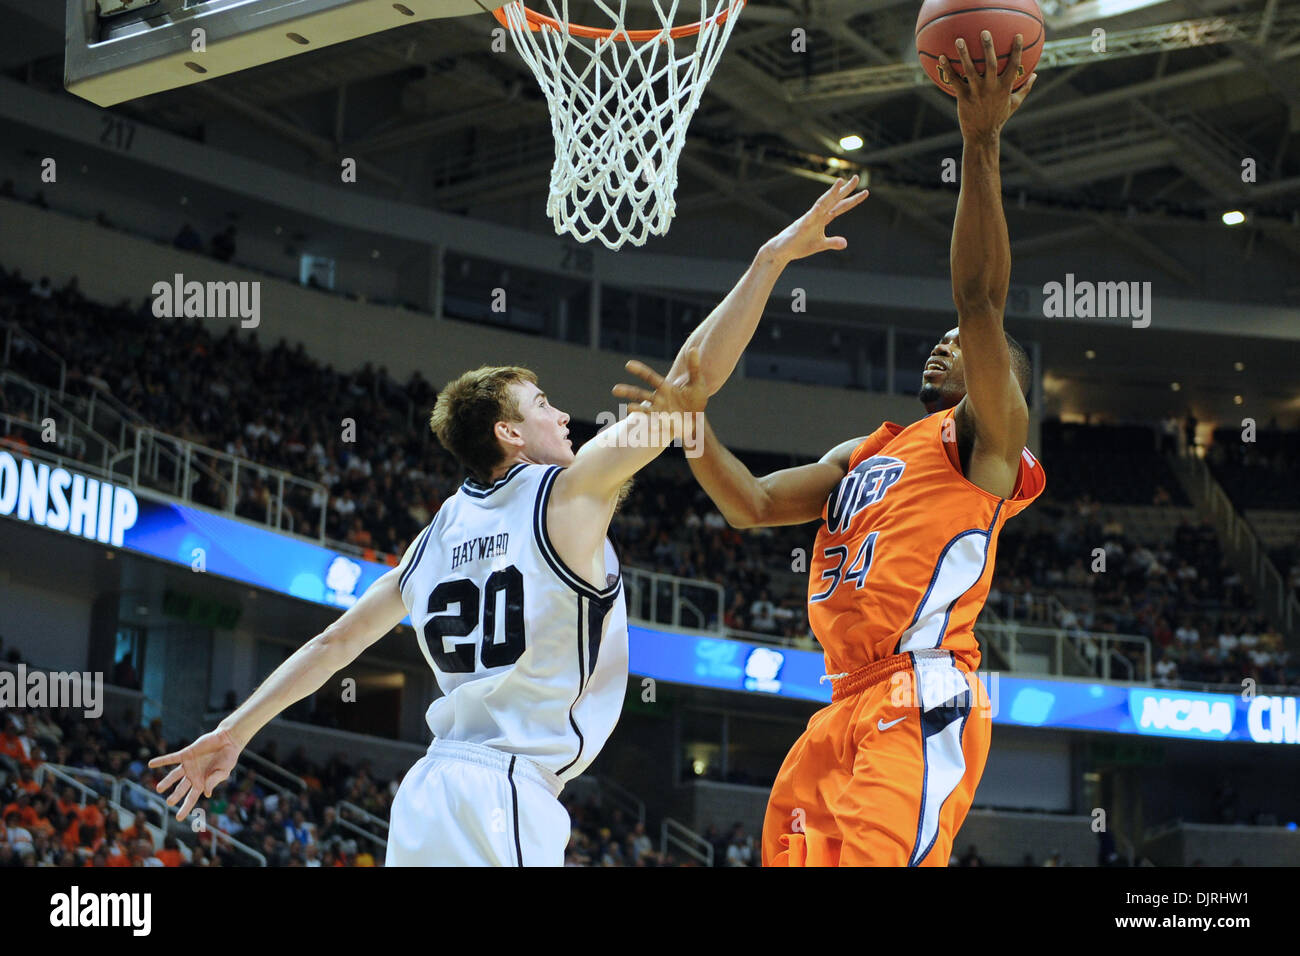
x=1157, y=125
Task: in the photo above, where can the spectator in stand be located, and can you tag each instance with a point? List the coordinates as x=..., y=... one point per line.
x=970, y=857
x=762, y=615
x=1167, y=670
x=223, y=245
x=740, y=849
x=139, y=828
x=17, y=835
x=1169, y=435
x=641, y=843
x=170, y=854
x=298, y=831
x=187, y=240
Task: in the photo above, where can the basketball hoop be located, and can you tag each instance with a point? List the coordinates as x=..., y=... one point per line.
x=620, y=103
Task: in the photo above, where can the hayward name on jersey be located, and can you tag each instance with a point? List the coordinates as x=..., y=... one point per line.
x=531, y=659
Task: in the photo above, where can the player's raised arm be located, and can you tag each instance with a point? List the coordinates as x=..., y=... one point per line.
x=981, y=253
x=724, y=335
x=790, y=496
x=205, y=763
x=659, y=416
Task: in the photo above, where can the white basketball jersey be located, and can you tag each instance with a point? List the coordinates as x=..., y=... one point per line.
x=531, y=659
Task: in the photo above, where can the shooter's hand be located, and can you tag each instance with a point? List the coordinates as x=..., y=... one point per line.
x=984, y=100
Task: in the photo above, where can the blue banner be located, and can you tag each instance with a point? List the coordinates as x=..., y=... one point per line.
x=1026, y=702
x=115, y=516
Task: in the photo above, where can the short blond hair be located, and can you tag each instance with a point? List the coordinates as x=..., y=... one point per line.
x=465, y=415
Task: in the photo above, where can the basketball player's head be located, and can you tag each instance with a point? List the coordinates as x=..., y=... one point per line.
x=943, y=379
x=495, y=416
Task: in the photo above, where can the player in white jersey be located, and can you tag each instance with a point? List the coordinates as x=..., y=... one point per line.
x=514, y=592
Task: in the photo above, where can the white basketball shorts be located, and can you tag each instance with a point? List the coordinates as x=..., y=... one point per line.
x=464, y=804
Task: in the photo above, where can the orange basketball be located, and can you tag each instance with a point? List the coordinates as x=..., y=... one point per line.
x=941, y=22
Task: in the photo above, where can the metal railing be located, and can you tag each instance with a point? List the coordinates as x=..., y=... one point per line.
x=72, y=435
x=68, y=776
x=152, y=800
x=345, y=809
x=273, y=767
x=176, y=466
x=353, y=810
x=65, y=775
x=144, y=457
x=683, y=838
x=1068, y=653
x=657, y=598
x=628, y=801
x=14, y=335
x=220, y=835
x=1243, y=544
x=362, y=832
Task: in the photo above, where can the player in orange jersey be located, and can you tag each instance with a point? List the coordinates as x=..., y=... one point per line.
x=885, y=774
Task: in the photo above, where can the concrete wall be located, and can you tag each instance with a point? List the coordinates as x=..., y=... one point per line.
x=1193, y=843
x=49, y=627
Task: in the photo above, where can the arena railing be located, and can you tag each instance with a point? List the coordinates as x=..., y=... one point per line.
x=344, y=809
x=1246, y=550
x=174, y=465
x=625, y=798
x=150, y=798
x=72, y=432
x=68, y=776
x=654, y=597
x=146, y=457
x=13, y=423
x=677, y=834
x=14, y=334
x=1070, y=653
x=351, y=827
x=273, y=767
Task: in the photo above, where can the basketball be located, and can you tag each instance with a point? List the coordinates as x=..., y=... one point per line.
x=941, y=22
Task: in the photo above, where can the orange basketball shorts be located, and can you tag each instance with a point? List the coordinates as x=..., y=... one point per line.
x=885, y=774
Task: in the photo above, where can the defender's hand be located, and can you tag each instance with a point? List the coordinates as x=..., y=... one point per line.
x=984, y=100
x=202, y=765
x=687, y=395
x=806, y=236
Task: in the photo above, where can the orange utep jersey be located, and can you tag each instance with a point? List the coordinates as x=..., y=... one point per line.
x=904, y=555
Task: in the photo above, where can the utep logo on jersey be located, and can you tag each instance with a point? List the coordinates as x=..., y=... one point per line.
x=863, y=486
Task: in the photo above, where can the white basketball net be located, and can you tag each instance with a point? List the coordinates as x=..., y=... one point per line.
x=619, y=112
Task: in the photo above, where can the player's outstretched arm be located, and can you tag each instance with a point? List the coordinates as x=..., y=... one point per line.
x=657, y=418
x=790, y=496
x=981, y=256
x=724, y=335
x=202, y=765
x=585, y=494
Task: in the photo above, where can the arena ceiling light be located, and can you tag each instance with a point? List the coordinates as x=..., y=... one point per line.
x=1234, y=217
x=1067, y=13
x=852, y=141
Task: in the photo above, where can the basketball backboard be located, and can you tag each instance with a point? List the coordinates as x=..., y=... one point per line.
x=120, y=50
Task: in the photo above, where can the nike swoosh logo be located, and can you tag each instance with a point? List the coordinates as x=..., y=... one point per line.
x=881, y=725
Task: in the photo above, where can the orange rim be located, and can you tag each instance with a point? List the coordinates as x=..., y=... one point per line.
x=536, y=21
